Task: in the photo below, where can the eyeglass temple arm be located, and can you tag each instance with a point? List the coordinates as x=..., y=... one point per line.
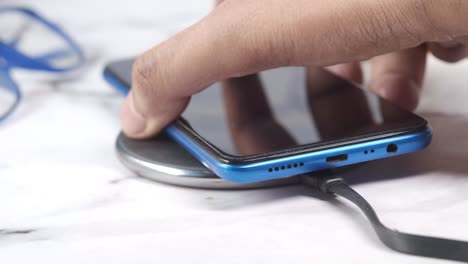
x=19, y=33
x=57, y=54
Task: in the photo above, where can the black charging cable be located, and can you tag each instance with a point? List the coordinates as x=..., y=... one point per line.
x=418, y=245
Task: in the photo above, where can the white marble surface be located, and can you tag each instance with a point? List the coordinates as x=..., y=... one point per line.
x=64, y=197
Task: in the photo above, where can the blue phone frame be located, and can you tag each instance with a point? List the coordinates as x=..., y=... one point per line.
x=297, y=164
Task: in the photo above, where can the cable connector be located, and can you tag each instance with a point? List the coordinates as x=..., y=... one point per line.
x=323, y=182
x=425, y=246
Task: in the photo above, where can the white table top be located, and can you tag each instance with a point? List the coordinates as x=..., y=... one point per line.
x=65, y=198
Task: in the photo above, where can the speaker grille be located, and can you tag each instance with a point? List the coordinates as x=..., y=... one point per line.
x=286, y=167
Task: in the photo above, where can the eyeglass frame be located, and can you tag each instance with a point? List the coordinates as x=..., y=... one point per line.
x=10, y=57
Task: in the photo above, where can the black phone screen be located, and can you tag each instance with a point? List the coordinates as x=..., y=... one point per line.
x=287, y=108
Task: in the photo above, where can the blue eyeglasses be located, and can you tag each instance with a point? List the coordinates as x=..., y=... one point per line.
x=29, y=41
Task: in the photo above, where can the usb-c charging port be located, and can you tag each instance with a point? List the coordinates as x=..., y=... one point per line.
x=337, y=158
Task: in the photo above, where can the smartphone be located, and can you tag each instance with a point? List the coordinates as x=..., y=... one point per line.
x=287, y=121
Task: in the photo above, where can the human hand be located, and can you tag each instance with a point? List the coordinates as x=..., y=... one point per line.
x=241, y=37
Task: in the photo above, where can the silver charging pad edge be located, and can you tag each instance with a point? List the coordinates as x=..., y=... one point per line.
x=162, y=160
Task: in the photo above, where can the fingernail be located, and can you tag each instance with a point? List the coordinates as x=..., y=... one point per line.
x=133, y=123
x=348, y=71
x=404, y=93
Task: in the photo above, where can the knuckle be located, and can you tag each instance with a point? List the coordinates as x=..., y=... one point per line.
x=258, y=51
x=147, y=77
x=141, y=74
x=440, y=20
x=285, y=46
x=406, y=20
x=429, y=20
x=413, y=19
x=269, y=47
x=374, y=30
x=147, y=87
x=399, y=24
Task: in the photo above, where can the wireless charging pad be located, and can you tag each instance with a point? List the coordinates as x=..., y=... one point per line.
x=163, y=160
